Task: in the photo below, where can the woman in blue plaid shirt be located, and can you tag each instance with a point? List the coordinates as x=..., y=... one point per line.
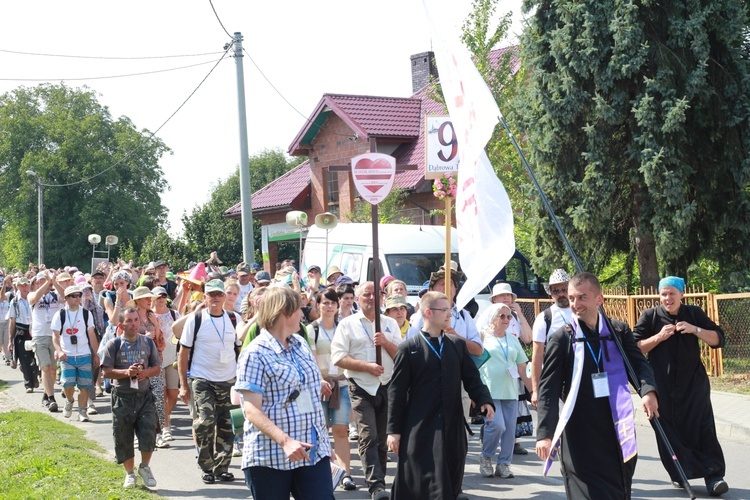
x=286, y=447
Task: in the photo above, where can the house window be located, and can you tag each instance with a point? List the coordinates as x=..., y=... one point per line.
x=332, y=192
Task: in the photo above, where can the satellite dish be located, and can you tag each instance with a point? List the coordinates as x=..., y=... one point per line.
x=296, y=218
x=95, y=239
x=326, y=220
x=111, y=240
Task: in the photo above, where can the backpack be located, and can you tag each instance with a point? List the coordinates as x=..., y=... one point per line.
x=198, y=321
x=316, y=329
x=85, y=318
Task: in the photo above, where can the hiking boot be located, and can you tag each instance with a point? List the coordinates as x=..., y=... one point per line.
x=503, y=471
x=148, y=477
x=485, y=466
x=52, y=406
x=83, y=416
x=130, y=480
x=68, y=409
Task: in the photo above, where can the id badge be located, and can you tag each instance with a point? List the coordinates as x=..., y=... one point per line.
x=513, y=372
x=304, y=402
x=223, y=357
x=601, y=385
x=134, y=383
x=371, y=357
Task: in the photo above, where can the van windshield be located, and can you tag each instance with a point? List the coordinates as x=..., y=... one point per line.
x=414, y=269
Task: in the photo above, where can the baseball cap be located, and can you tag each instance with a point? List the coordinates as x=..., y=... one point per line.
x=215, y=286
x=263, y=277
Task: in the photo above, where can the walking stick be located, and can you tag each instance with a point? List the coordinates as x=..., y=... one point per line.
x=655, y=423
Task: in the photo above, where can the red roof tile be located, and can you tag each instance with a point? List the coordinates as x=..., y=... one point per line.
x=280, y=192
x=392, y=117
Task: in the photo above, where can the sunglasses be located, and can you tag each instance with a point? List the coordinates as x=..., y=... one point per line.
x=558, y=290
x=161, y=296
x=75, y=295
x=504, y=316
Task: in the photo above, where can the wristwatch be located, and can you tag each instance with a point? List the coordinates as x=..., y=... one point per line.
x=698, y=330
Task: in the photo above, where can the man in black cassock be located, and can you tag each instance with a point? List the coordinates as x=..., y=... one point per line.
x=595, y=430
x=425, y=415
x=670, y=335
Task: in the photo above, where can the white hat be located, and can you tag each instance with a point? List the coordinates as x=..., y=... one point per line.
x=501, y=288
x=558, y=276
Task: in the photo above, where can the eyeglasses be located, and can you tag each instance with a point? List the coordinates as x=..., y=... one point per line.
x=75, y=295
x=504, y=316
x=558, y=290
x=441, y=309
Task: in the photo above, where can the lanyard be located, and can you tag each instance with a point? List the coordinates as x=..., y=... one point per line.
x=366, y=332
x=597, y=359
x=455, y=317
x=297, y=364
x=328, y=336
x=505, y=350
x=75, y=320
x=223, y=328
x=432, y=348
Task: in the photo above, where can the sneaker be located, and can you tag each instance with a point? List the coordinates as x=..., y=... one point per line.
x=45, y=401
x=503, y=470
x=130, y=480
x=237, y=451
x=717, y=488
x=353, y=434
x=52, y=406
x=68, y=409
x=485, y=466
x=337, y=473
x=348, y=483
x=380, y=494
x=166, y=434
x=92, y=409
x=83, y=416
x=148, y=478
x=99, y=391
x=160, y=442
x=29, y=390
x=519, y=450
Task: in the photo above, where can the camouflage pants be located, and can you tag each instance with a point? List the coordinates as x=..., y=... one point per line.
x=212, y=424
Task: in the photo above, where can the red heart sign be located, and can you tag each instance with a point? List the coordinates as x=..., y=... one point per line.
x=71, y=331
x=373, y=175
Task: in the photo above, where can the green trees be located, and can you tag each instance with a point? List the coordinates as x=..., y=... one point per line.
x=65, y=135
x=638, y=116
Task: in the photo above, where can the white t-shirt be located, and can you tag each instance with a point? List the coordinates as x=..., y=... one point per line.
x=461, y=322
x=244, y=291
x=213, y=352
x=74, y=325
x=559, y=318
x=42, y=313
x=165, y=325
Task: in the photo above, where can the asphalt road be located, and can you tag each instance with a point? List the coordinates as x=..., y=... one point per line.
x=178, y=476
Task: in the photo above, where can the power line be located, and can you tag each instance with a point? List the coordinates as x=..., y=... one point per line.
x=113, y=58
x=106, y=77
x=218, y=19
x=151, y=135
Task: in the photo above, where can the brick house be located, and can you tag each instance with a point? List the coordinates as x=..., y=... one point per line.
x=338, y=129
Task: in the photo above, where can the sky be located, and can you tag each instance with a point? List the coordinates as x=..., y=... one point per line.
x=305, y=48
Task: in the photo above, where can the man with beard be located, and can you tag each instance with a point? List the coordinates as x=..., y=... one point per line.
x=424, y=406
x=595, y=430
x=670, y=334
x=548, y=321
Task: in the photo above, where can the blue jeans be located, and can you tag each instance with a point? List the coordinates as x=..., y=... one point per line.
x=501, y=430
x=312, y=482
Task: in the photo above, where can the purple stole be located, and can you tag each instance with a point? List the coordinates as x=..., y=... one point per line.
x=620, y=400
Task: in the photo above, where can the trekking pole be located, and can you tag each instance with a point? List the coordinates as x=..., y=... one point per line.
x=655, y=423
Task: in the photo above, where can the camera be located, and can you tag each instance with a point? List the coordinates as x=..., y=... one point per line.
x=74, y=339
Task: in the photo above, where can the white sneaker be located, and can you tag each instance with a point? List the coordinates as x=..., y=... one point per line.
x=148, y=478
x=92, y=409
x=68, y=409
x=485, y=466
x=83, y=416
x=237, y=452
x=130, y=480
x=503, y=470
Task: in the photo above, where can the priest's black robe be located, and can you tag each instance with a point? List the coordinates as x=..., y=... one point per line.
x=590, y=454
x=684, y=393
x=424, y=407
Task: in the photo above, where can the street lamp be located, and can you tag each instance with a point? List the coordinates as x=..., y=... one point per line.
x=40, y=224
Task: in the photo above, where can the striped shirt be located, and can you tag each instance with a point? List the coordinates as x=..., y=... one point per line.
x=268, y=369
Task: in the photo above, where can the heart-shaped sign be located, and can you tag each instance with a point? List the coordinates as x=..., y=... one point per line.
x=373, y=175
x=71, y=331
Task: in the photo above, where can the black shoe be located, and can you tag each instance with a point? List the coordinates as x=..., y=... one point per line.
x=348, y=483
x=462, y=496
x=380, y=494
x=45, y=401
x=519, y=450
x=52, y=406
x=678, y=484
x=717, y=488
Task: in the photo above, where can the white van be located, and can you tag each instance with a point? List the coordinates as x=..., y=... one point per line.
x=409, y=252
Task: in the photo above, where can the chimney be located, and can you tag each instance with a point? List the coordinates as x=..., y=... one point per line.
x=422, y=68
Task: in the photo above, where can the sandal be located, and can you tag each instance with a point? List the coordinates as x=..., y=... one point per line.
x=226, y=476
x=208, y=478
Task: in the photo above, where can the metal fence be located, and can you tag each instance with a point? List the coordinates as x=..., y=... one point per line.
x=730, y=311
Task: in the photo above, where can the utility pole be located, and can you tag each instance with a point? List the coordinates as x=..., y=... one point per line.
x=40, y=212
x=248, y=243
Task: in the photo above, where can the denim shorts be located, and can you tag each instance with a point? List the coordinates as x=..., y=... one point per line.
x=340, y=416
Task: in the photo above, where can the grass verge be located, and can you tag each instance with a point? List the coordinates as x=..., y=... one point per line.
x=3, y=385
x=45, y=458
x=738, y=385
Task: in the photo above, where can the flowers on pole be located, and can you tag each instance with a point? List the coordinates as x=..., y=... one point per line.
x=445, y=188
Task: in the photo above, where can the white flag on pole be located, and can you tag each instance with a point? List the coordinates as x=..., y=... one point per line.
x=483, y=214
